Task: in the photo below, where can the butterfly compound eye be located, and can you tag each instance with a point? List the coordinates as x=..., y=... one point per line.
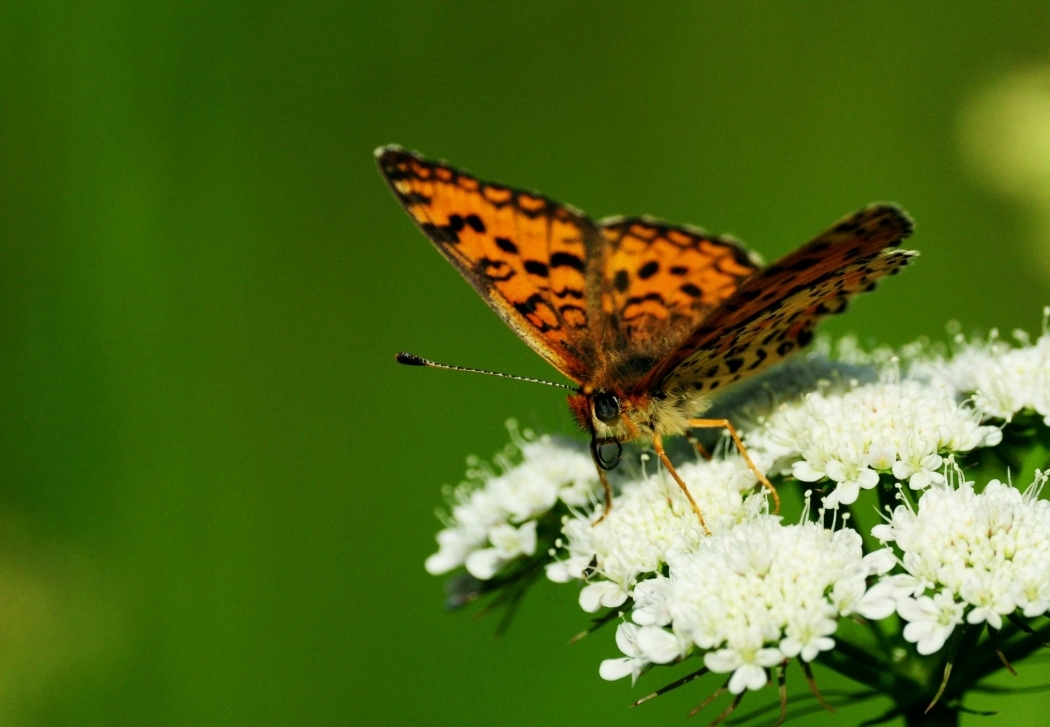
x=606, y=406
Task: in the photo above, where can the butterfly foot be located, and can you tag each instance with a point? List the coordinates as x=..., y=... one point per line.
x=728, y=426
x=658, y=445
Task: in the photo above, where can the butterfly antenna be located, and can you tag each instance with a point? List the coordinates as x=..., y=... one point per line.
x=409, y=359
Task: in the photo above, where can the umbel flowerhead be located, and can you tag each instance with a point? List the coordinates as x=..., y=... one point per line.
x=917, y=565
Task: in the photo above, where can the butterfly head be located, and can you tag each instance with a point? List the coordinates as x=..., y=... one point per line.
x=609, y=416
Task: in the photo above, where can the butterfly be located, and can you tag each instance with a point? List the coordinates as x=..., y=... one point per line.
x=650, y=319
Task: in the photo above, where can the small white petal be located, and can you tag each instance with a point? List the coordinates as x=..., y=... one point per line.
x=613, y=669
x=748, y=676
x=658, y=646
x=804, y=471
x=868, y=478
x=880, y=561
x=483, y=564
x=878, y=603
x=603, y=593
x=722, y=661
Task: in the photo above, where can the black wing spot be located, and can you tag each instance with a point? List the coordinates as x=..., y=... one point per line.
x=475, y=223
x=643, y=298
x=455, y=223
x=679, y=270
x=506, y=245
x=734, y=364
x=536, y=268
x=440, y=233
x=621, y=280
x=760, y=356
x=691, y=290
x=804, y=337
x=785, y=348
x=566, y=260
x=648, y=270
x=496, y=270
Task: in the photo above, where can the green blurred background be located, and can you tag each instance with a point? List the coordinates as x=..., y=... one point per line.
x=217, y=489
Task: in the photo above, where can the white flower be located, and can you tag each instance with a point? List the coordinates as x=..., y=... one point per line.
x=507, y=542
x=643, y=645
x=849, y=437
x=747, y=659
x=603, y=594
x=453, y=548
x=983, y=556
x=808, y=637
x=1030, y=589
x=549, y=471
x=493, y=517
x=650, y=520
x=930, y=620
x=1003, y=380
x=757, y=593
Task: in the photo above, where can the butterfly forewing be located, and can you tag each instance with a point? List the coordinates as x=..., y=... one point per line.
x=524, y=253
x=774, y=312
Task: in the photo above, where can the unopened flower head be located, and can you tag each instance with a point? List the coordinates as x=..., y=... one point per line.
x=968, y=555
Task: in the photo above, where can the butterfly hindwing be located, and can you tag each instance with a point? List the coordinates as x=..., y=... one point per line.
x=774, y=312
x=524, y=253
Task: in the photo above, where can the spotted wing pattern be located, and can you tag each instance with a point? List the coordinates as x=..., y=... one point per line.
x=774, y=312
x=524, y=253
x=660, y=280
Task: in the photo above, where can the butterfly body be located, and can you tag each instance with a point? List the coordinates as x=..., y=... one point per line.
x=650, y=319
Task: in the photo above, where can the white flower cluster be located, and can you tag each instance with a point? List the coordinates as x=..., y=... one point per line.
x=494, y=517
x=901, y=427
x=649, y=520
x=969, y=557
x=1002, y=379
x=750, y=597
x=756, y=592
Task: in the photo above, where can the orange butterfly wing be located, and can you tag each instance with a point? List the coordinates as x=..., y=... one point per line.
x=658, y=276
x=773, y=313
x=524, y=253
x=659, y=281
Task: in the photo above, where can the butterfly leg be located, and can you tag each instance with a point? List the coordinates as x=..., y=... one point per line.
x=658, y=445
x=700, y=449
x=607, y=489
x=725, y=424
